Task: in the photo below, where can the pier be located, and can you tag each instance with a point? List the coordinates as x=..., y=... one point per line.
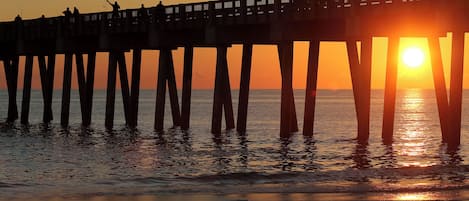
x=220, y=24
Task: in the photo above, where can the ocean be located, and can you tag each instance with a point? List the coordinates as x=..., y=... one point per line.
x=48, y=162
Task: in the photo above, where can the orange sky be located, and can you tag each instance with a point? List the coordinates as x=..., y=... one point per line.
x=333, y=63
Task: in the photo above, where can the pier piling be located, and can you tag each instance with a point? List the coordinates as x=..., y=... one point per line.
x=11, y=72
x=390, y=89
x=187, y=87
x=456, y=87
x=440, y=86
x=124, y=81
x=222, y=94
x=353, y=59
x=28, y=72
x=111, y=91
x=244, y=88
x=90, y=72
x=67, y=83
x=311, y=86
x=135, y=87
x=288, y=122
x=166, y=75
x=364, y=85
x=47, y=84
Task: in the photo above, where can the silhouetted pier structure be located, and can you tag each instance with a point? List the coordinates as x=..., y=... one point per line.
x=219, y=24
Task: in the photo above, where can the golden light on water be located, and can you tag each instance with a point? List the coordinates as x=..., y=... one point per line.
x=412, y=133
x=414, y=196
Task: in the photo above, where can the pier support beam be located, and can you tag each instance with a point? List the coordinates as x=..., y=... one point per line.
x=187, y=87
x=455, y=100
x=365, y=90
x=111, y=91
x=135, y=87
x=67, y=83
x=86, y=85
x=440, y=86
x=115, y=59
x=361, y=80
x=124, y=85
x=28, y=72
x=166, y=74
x=390, y=89
x=352, y=52
x=311, y=87
x=244, y=88
x=47, y=84
x=11, y=74
x=288, y=121
x=222, y=94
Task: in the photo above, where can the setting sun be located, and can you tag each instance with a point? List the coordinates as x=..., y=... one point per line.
x=413, y=57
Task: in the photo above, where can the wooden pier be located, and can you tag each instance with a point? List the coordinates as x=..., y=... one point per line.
x=220, y=24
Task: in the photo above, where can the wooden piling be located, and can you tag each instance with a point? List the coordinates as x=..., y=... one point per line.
x=111, y=91
x=187, y=87
x=47, y=81
x=67, y=83
x=440, y=86
x=311, y=87
x=85, y=85
x=11, y=73
x=166, y=74
x=173, y=93
x=135, y=87
x=217, y=111
x=227, y=100
x=222, y=94
x=293, y=120
x=27, y=89
x=390, y=89
x=161, y=89
x=244, y=88
x=354, y=63
x=81, y=84
x=50, y=84
x=364, y=84
x=455, y=99
x=90, y=72
x=287, y=101
x=14, y=72
x=124, y=85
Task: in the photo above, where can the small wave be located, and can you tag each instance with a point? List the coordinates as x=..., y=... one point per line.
x=14, y=185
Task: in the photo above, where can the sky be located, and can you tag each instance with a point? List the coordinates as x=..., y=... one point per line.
x=333, y=72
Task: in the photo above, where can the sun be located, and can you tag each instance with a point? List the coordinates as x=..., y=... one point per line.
x=413, y=57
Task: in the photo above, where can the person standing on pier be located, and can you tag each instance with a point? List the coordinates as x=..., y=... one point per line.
x=142, y=14
x=160, y=13
x=67, y=13
x=115, y=9
x=18, y=18
x=76, y=14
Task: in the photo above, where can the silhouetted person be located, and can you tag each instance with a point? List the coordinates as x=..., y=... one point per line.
x=142, y=14
x=19, y=25
x=76, y=14
x=67, y=13
x=42, y=26
x=115, y=9
x=18, y=18
x=160, y=13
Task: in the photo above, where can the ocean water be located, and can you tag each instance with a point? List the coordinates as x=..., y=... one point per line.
x=48, y=161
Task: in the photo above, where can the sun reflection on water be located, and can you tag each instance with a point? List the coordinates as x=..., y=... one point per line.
x=412, y=132
x=414, y=196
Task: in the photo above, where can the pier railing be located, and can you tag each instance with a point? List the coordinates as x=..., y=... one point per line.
x=182, y=15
